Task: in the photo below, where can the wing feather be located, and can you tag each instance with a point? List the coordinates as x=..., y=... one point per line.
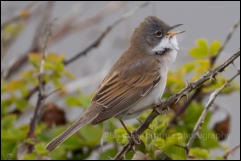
x=119, y=92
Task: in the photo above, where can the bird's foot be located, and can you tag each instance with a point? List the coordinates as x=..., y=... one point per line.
x=134, y=138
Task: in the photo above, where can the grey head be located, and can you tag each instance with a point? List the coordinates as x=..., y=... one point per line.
x=154, y=35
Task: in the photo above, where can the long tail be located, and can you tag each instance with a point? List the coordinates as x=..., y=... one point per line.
x=85, y=119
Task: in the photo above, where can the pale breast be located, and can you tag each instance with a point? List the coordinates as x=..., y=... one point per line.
x=152, y=98
x=155, y=95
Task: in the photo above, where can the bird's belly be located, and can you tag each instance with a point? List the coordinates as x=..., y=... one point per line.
x=152, y=98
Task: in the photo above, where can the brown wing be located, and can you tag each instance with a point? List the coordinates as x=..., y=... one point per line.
x=119, y=91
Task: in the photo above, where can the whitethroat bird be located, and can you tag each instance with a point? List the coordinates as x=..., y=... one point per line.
x=135, y=82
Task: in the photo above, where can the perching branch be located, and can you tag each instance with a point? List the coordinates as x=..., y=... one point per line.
x=200, y=121
x=97, y=42
x=171, y=100
x=198, y=92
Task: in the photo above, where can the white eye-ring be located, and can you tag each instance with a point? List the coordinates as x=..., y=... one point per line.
x=158, y=33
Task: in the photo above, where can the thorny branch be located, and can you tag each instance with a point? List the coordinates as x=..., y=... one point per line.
x=200, y=121
x=97, y=42
x=198, y=92
x=157, y=111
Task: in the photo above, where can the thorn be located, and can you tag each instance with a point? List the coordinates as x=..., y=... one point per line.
x=198, y=135
x=140, y=122
x=178, y=99
x=186, y=95
x=188, y=84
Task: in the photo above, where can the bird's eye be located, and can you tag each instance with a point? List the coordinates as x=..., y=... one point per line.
x=158, y=33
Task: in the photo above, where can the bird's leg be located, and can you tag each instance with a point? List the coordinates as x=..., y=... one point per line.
x=133, y=135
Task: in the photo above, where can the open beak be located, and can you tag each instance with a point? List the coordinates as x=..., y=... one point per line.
x=170, y=34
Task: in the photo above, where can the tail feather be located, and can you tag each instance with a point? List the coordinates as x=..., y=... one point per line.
x=85, y=119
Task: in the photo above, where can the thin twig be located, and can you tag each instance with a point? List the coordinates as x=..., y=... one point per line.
x=68, y=26
x=35, y=46
x=97, y=42
x=168, y=102
x=225, y=156
x=122, y=153
x=41, y=85
x=19, y=15
x=227, y=39
x=200, y=121
x=198, y=92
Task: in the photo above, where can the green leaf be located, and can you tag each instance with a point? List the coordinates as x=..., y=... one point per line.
x=188, y=67
x=40, y=149
x=208, y=139
x=204, y=66
x=192, y=114
x=3, y=86
x=21, y=104
x=201, y=49
x=14, y=134
x=91, y=135
x=58, y=154
x=108, y=154
x=57, y=83
x=28, y=74
x=73, y=101
x=121, y=136
x=218, y=158
x=73, y=143
x=6, y=103
x=129, y=155
x=159, y=143
x=30, y=156
x=7, y=121
x=176, y=153
x=16, y=85
x=48, y=65
x=199, y=153
x=232, y=87
x=59, y=67
x=214, y=47
x=69, y=75
x=12, y=30
x=55, y=58
x=35, y=59
x=175, y=139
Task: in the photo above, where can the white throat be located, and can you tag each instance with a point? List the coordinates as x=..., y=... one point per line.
x=166, y=43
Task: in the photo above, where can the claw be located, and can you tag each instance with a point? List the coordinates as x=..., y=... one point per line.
x=135, y=138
